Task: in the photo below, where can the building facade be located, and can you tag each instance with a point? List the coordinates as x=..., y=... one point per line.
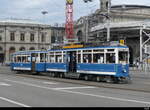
x=94, y=27
x=20, y=35
x=57, y=35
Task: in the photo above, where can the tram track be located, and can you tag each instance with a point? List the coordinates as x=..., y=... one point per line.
x=134, y=86
x=130, y=87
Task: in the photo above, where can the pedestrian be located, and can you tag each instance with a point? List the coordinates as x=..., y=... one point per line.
x=137, y=64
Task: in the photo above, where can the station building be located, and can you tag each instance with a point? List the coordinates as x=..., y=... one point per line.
x=20, y=35
x=128, y=22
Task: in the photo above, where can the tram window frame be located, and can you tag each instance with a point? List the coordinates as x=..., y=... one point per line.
x=87, y=56
x=110, y=50
x=98, y=50
x=64, y=57
x=12, y=58
x=51, y=57
x=28, y=58
x=79, y=56
x=110, y=59
x=99, y=58
x=24, y=58
x=42, y=58
x=58, y=57
x=19, y=60
x=125, y=60
x=98, y=53
x=35, y=58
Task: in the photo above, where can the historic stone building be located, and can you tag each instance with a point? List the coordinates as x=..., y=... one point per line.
x=124, y=23
x=57, y=35
x=19, y=35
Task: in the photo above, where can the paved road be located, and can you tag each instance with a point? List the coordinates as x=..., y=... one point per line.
x=16, y=91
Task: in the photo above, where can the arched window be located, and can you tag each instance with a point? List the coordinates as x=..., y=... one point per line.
x=11, y=50
x=0, y=38
x=32, y=48
x=43, y=48
x=80, y=35
x=22, y=49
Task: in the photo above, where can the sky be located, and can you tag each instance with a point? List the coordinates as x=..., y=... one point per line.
x=31, y=9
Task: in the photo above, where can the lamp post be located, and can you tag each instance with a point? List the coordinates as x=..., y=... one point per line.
x=108, y=21
x=87, y=23
x=44, y=13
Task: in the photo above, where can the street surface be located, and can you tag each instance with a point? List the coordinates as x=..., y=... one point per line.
x=18, y=91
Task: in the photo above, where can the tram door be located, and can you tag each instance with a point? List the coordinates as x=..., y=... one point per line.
x=72, y=61
x=33, y=61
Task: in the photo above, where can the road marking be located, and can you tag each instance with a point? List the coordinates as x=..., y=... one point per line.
x=14, y=102
x=81, y=93
x=50, y=83
x=4, y=84
x=85, y=87
x=106, y=97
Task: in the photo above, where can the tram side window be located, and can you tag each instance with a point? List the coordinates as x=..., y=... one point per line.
x=123, y=57
x=79, y=58
x=24, y=59
x=64, y=58
x=34, y=57
x=98, y=58
x=28, y=59
x=87, y=58
x=51, y=58
x=110, y=57
x=14, y=59
x=18, y=59
x=58, y=59
x=42, y=57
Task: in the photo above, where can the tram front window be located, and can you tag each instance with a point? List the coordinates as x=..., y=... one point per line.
x=123, y=57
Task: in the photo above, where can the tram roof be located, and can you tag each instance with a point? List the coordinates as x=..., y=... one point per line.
x=100, y=47
x=29, y=52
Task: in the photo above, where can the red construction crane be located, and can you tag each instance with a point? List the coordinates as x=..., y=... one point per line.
x=69, y=28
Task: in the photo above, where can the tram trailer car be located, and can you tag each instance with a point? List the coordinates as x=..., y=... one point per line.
x=105, y=63
x=31, y=61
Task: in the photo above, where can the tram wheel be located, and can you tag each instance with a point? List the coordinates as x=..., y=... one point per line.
x=98, y=78
x=61, y=75
x=53, y=74
x=86, y=77
x=116, y=80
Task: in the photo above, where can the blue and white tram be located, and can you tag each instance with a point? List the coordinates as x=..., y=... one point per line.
x=99, y=63
x=33, y=61
x=103, y=63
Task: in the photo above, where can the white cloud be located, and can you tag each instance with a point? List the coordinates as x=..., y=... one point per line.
x=56, y=8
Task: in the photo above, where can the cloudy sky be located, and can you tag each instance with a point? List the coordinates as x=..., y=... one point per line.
x=31, y=9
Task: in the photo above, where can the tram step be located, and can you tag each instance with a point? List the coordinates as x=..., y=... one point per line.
x=72, y=75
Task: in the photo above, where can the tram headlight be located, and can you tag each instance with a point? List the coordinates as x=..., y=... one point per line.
x=124, y=70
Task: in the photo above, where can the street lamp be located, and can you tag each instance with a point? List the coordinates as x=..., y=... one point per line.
x=107, y=16
x=44, y=13
x=87, y=20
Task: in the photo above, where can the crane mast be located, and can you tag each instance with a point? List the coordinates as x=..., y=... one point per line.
x=69, y=27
